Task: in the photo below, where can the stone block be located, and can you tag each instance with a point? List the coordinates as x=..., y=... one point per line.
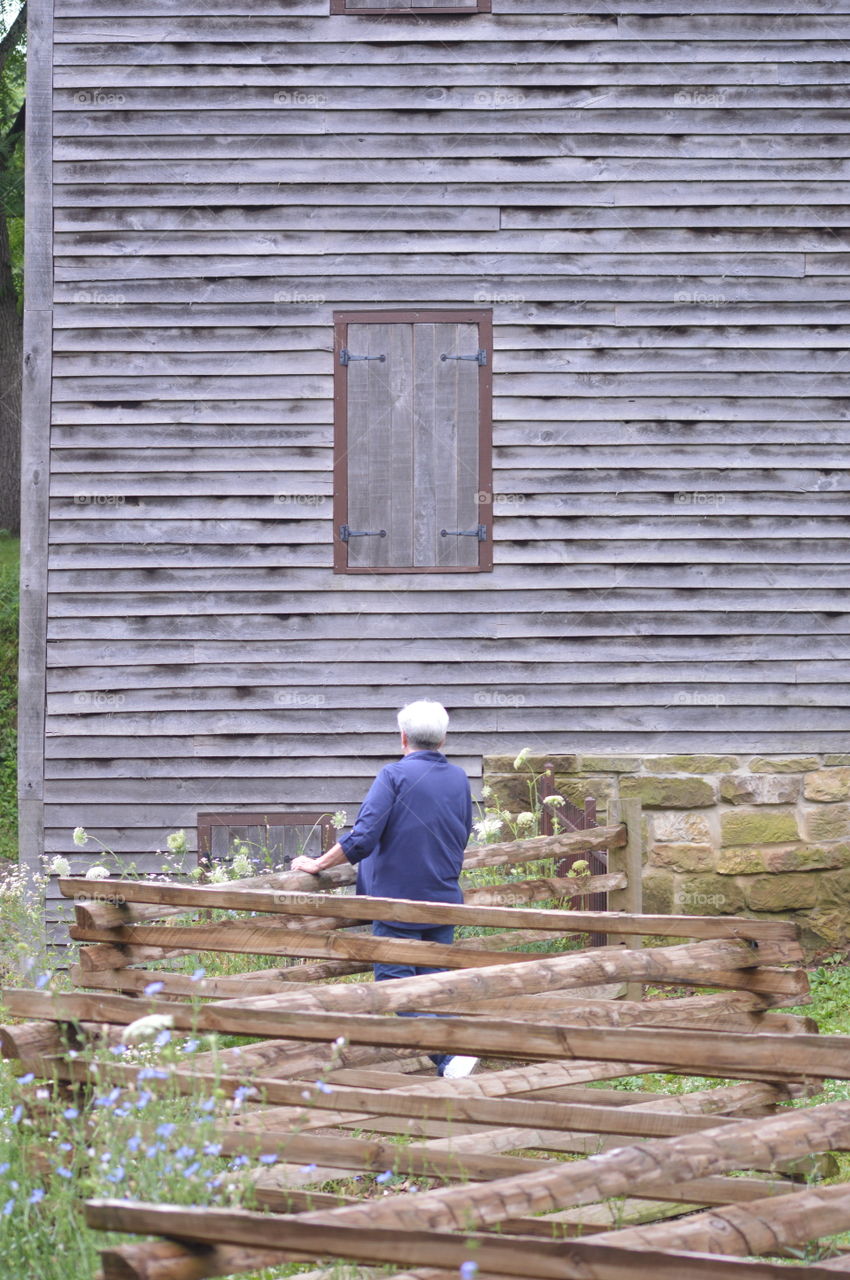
x=834, y=890
x=669, y=793
x=758, y=826
x=679, y=828
x=509, y=791
x=760, y=788
x=691, y=764
x=657, y=890
x=576, y=790
x=827, y=785
x=707, y=895
x=788, y=764
x=831, y=925
x=610, y=764
x=826, y=822
x=532, y=764
x=781, y=892
x=840, y=759
x=798, y=857
x=683, y=857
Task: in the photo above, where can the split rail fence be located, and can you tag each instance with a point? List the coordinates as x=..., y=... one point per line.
x=537, y=1166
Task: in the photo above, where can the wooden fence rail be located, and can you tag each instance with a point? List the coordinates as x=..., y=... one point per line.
x=728, y=1156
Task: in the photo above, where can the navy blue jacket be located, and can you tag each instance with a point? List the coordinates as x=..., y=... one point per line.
x=412, y=829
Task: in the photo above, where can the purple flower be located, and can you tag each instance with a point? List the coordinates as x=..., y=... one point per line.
x=386, y=1176
x=268, y=1159
x=8, y=1207
x=17, y=1114
x=70, y=1113
x=28, y=1078
x=63, y=1172
x=154, y=988
x=165, y=1130
x=468, y=1270
x=36, y=1195
x=117, y=1175
x=191, y=1170
x=197, y=975
x=43, y=979
x=163, y=1038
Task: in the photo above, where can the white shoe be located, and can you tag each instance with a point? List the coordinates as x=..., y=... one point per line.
x=458, y=1067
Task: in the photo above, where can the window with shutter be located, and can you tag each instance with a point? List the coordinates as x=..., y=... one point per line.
x=413, y=440
x=270, y=839
x=378, y=8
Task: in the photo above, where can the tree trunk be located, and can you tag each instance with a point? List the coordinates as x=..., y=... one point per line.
x=11, y=354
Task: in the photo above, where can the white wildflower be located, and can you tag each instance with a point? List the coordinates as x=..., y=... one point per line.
x=486, y=792
x=177, y=842
x=80, y=835
x=488, y=826
x=525, y=819
x=242, y=865
x=339, y=820
x=60, y=866
x=556, y=800
x=522, y=757
x=97, y=872
x=218, y=875
x=148, y=1027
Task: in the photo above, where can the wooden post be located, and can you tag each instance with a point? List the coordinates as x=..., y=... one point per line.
x=628, y=859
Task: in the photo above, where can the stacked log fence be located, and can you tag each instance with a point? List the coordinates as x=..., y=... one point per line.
x=538, y=1165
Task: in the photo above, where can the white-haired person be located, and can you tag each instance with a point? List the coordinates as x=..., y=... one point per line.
x=408, y=841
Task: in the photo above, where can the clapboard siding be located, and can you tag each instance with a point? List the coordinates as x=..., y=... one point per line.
x=653, y=204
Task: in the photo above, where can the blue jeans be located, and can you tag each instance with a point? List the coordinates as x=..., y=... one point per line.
x=444, y=933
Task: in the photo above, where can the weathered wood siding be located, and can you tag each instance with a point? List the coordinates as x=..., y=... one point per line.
x=655, y=206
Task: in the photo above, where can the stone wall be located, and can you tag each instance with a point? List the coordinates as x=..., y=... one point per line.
x=766, y=836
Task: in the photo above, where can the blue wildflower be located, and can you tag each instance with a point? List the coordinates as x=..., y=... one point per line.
x=70, y=1113
x=268, y=1159
x=191, y=1170
x=165, y=1130
x=468, y=1270
x=183, y=1152
x=212, y=1148
x=43, y=979
x=17, y=1114
x=197, y=975
x=163, y=1038
x=386, y=1176
x=8, y=1207
x=63, y=1172
x=117, y=1175
x=36, y=1195
x=28, y=1078
x=154, y=988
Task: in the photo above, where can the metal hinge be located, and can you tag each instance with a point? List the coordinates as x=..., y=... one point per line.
x=479, y=532
x=345, y=533
x=345, y=357
x=480, y=357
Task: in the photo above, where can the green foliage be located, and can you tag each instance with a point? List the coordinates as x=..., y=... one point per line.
x=8, y=696
x=12, y=91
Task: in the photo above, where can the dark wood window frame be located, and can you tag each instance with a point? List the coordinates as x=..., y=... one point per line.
x=339, y=6
x=484, y=319
x=208, y=821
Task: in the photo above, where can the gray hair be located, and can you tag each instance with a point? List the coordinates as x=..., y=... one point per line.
x=425, y=724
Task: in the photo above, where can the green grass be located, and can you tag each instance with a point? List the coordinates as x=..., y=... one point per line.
x=9, y=560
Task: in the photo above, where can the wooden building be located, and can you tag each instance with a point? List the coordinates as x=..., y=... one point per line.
x=487, y=349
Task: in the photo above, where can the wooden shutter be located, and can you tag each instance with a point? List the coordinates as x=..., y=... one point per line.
x=412, y=473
